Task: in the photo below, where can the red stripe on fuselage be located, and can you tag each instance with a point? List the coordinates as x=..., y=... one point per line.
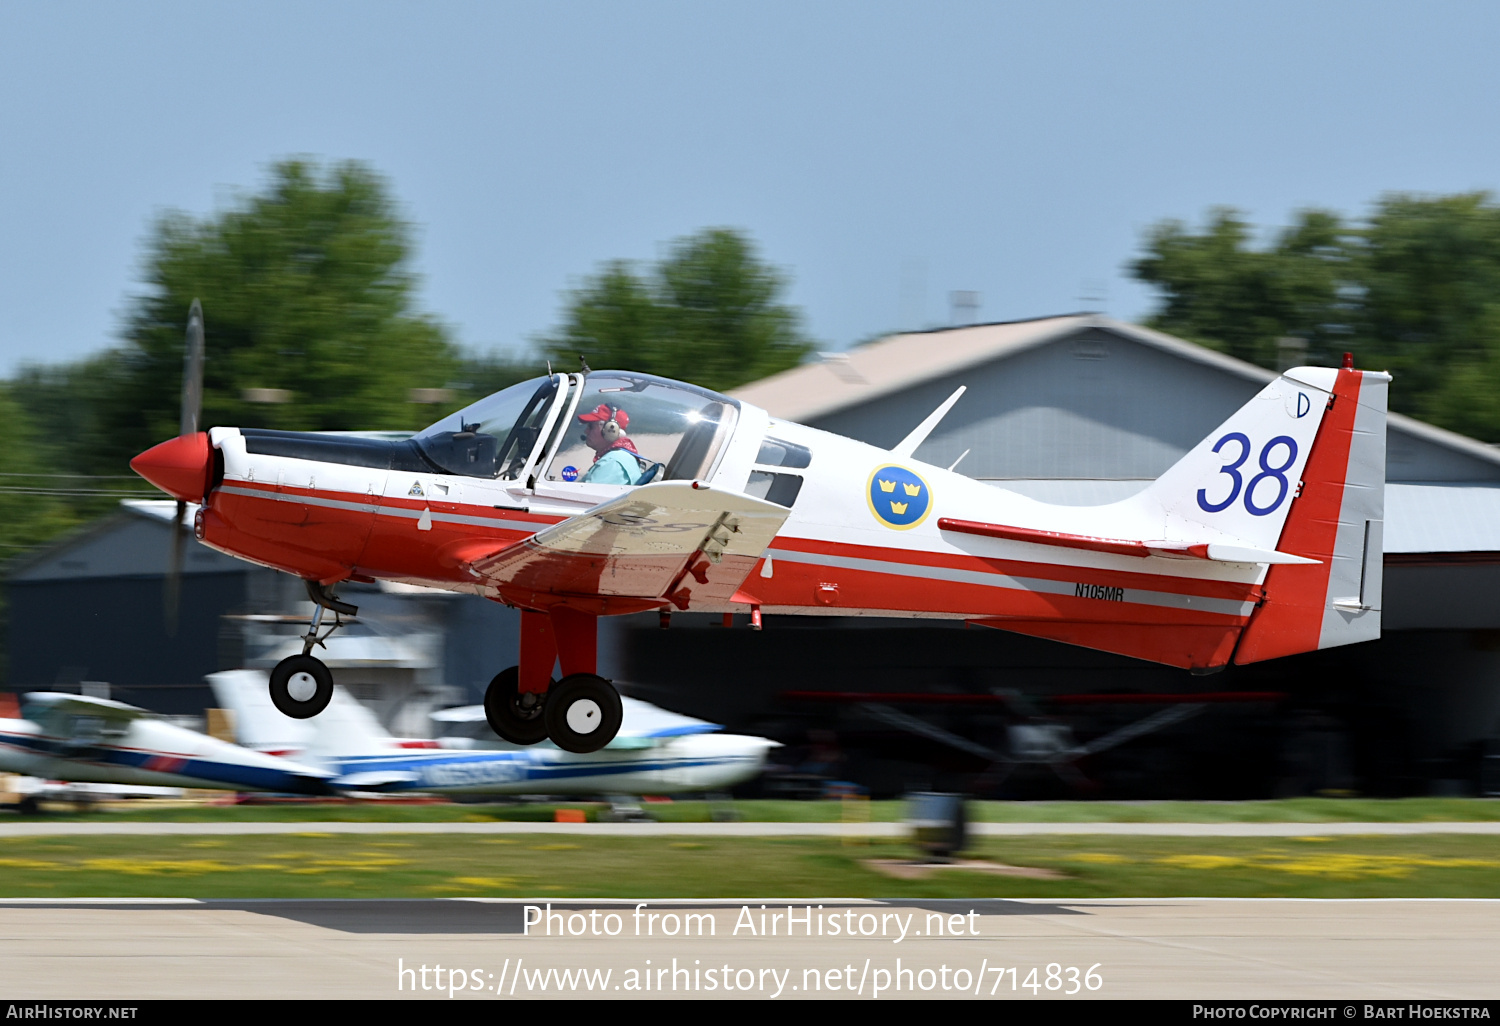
x=812, y=586
x=340, y=533
x=1237, y=590
x=376, y=541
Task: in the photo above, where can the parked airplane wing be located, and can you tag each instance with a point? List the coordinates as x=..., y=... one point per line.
x=673, y=542
x=50, y=703
x=641, y=726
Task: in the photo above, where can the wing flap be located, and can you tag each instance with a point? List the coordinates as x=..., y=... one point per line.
x=676, y=541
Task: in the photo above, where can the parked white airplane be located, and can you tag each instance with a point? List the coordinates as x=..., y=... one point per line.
x=98, y=740
x=655, y=752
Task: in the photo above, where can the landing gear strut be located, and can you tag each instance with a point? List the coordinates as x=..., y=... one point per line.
x=580, y=713
x=301, y=685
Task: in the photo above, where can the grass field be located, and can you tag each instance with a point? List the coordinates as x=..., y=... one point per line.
x=1294, y=810
x=311, y=865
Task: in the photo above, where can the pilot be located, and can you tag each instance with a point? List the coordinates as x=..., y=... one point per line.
x=615, y=458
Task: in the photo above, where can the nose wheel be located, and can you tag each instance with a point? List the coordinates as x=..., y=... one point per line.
x=516, y=717
x=583, y=713
x=301, y=686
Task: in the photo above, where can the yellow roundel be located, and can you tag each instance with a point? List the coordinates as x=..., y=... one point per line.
x=898, y=497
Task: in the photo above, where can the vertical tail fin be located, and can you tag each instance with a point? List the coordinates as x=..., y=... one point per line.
x=1241, y=481
x=257, y=723
x=1338, y=518
x=345, y=728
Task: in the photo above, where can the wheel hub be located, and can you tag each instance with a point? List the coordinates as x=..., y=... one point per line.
x=301, y=687
x=584, y=716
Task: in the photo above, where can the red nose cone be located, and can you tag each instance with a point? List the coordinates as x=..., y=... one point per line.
x=180, y=466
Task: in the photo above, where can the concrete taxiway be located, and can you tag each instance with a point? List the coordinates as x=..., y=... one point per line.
x=979, y=950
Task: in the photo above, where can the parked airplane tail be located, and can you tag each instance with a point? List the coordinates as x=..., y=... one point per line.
x=345, y=728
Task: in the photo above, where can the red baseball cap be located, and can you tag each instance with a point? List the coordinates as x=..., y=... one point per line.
x=603, y=413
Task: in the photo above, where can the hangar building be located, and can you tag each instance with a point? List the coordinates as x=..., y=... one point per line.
x=1082, y=410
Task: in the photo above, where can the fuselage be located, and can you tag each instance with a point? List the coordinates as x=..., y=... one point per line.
x=694, y=763
x=148, y=752
x=865, y=534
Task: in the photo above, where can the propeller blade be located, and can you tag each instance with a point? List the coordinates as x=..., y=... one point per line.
x=172, y=585
x=192, y=411
x=192, y=373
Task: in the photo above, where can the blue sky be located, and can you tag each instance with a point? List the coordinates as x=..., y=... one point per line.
x=883, y=153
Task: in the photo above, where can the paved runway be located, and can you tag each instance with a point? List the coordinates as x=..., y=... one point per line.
x=1142, y=948
x=42, y=828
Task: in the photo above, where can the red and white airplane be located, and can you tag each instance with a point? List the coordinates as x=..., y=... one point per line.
x=1263, y=541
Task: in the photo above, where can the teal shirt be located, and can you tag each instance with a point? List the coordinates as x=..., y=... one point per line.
x=618, y=466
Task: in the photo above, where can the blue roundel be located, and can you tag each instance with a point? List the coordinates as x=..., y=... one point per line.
x=570, y=473
x=898, y=497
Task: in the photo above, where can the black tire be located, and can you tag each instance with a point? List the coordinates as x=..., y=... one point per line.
x=583, y=713
x=514, y=717
x=297, y=672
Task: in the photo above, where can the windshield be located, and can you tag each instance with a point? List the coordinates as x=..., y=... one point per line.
x=493, y=437
x=647, y=429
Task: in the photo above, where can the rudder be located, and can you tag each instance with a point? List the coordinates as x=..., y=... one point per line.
x=1338, y=519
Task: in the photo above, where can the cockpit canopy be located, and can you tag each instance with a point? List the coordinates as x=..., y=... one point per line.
x=531, y=431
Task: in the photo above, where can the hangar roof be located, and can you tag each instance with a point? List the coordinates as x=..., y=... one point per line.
x=133, y=542
x=898, y=362
x=901, y=362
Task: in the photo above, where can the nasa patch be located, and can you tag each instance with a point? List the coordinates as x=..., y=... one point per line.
x=899, y=498
x=570, y=473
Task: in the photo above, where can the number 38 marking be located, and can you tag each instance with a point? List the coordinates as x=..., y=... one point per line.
x=1237, y=482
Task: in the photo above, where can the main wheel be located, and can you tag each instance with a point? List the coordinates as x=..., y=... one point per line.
x=583, y=713
x=516, y=717
x=301, y=686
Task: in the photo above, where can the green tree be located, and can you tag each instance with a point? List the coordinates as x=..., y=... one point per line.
x=70, y=407
x=1218, y=290
x=1430, y=310
x=1413, y=288
x=710, y=313
x=305, y=289
x=35, y=503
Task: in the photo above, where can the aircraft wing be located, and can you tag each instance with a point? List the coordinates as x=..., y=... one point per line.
x=679, y=542
x=644, y=726
x=375, y=780
x=50, y=706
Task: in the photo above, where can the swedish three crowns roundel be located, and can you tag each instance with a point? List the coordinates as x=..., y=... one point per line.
x=899, y=498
